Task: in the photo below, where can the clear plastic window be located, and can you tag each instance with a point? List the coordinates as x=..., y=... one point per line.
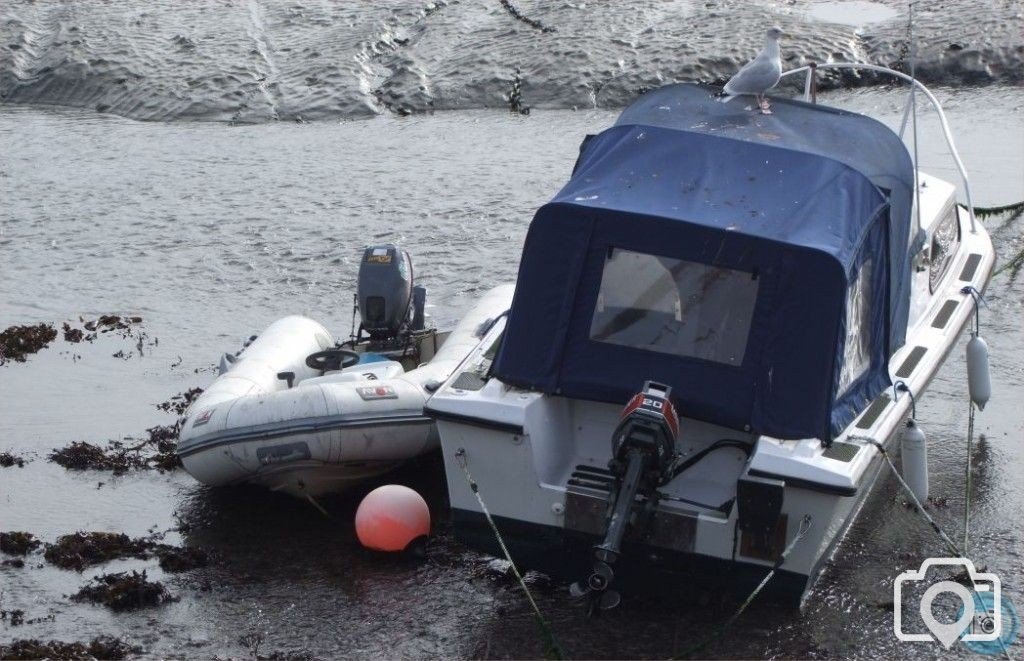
x=945, y=241
x=857, y=348
x=674, y=306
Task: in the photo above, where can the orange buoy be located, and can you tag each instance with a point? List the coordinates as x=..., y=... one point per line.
x=390, y=517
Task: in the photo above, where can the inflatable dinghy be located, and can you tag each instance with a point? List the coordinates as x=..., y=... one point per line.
x=295, y=412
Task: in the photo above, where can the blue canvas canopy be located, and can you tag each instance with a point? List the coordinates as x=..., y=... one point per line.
x=758, y=264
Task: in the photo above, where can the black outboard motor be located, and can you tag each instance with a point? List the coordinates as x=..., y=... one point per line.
x=643, y=454
x=386, y=293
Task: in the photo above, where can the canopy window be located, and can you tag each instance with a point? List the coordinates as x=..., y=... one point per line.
x=674, y=306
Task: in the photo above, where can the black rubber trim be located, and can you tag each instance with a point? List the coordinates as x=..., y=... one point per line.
x=475, y=422
x=840, y=451
x=808, y=485
x=908, y=366
x=942, y=318
x=229, y=437
x=971, y=267
x=875, y=410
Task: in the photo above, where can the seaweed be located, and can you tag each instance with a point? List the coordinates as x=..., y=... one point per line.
x=82, y=549
x=124, y=591
x=180, y=402
x=16, y=617
x=179, y=559
x=8, y=459
x=101, y=647
x=18, y=543
x=156, y=451
x=18, y=342
x=73, y=335
x=81, y=455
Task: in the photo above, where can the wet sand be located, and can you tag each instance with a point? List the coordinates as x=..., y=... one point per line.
x=257, y=61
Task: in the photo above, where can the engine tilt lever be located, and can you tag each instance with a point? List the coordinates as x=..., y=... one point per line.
x=643, y=452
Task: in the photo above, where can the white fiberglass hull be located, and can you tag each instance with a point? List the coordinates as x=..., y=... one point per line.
x=540, y=463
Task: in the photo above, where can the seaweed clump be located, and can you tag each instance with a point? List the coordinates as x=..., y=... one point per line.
x=16, y=617
x=8, y=459
x=124, y=591
x=180, y=402
x=101, y=647
x=82, y=549
x=174, y=559
x=156, y=451
x=18, y=342
x=81, y=455
x=18, y=543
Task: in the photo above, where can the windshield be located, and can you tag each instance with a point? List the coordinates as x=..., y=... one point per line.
x=674, y=306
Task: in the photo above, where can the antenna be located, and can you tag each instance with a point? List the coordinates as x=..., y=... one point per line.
x=913, y=112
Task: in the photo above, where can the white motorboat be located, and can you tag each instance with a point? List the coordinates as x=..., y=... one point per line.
x=779, y=280
x=297, y=413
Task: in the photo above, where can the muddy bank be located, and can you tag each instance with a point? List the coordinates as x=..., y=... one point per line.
x=101, y=647
x=255, y=60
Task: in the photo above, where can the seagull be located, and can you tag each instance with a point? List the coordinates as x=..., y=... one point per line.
x=760, y=74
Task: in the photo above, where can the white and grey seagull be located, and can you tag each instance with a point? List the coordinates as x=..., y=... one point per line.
x=760, y=74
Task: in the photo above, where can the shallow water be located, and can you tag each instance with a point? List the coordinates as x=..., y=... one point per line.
x=210, y=232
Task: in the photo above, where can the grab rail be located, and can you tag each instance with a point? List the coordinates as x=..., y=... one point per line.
x=810, y=69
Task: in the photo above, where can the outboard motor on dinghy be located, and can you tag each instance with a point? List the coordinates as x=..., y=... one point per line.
x=643, y=455
x=389, y=302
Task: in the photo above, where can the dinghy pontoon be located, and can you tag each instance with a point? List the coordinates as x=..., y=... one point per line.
x=295, y=412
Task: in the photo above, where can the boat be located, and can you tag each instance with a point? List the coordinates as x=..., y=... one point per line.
x=719, y=324
x=299, y=413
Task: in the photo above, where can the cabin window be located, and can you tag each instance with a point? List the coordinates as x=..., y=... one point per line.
x=945, y=241
x=857, y=347
x=674, y=306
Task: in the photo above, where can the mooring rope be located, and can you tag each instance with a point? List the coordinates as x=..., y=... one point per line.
x=910, y=492
x=554, y=647
x=805, y=525
x=983, y=212
x=931, y=521
x=967, y=487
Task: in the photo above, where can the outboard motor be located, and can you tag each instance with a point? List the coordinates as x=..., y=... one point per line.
x=643, y=455
x=386, y=293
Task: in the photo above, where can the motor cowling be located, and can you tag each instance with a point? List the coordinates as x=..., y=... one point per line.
x=649, y=423
x=385, y=291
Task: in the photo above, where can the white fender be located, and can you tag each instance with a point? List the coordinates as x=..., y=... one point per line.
x=915, y=460
x=978, y=383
